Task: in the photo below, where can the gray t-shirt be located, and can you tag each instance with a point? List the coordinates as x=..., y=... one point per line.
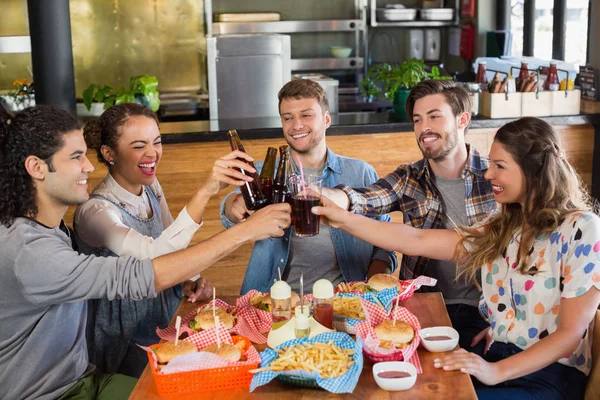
x=452, y=193
x=44, y=284
x=313, y=255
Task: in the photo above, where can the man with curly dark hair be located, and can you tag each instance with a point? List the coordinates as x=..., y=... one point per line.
x=45, y=283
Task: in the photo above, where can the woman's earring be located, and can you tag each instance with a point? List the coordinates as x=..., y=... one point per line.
x=111, y=162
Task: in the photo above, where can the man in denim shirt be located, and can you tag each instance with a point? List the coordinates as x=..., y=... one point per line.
x=332, y=254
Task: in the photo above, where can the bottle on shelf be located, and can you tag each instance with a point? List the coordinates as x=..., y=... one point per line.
x=281, y=304
x=281, y=192
x=552, y=83
x=323, y=302
x=251, y=191
x=268, y=172
x=481, y=77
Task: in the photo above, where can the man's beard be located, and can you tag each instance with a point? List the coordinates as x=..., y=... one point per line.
x=441, y=153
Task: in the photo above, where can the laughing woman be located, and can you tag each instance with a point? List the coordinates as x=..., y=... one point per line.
x=127, y=215
x=539, y=260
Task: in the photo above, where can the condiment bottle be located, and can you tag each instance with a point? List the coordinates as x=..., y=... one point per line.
x=481, y=77
x=302, y=328
x=268, y=172
x=281, y=192
x=552, y=82
x=281, y=304
x=323, y=302
x=251, y=191
x=524, y=72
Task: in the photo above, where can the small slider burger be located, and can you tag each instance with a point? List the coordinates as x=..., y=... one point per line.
x=394, y=336
x=205, y=320
x=380, y=282
x=228, y=351
x=264, y=302
x=169, y=351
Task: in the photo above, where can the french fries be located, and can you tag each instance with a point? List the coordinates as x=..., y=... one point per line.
x=327, y=359
x=348, y=307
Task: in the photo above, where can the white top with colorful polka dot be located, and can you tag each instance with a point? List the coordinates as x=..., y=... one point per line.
x=523, y=309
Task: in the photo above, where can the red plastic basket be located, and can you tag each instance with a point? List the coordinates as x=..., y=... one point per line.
x=204, y=380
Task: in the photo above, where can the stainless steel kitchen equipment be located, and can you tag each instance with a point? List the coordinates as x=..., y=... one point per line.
x=437, y=14
x=396, y=14
x=330, y=85
x=474, y=90
x=245, y=73
x=432, y=45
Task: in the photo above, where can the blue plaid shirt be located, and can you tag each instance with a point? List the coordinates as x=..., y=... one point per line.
x=411, y=190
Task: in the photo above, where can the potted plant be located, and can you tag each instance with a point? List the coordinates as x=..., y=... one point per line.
x=142, y=90
x=21, y=97
x=395, y=81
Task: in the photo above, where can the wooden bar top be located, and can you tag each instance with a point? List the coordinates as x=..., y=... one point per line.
x=431, y=384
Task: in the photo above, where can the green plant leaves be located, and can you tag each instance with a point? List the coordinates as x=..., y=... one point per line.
x=144, y=85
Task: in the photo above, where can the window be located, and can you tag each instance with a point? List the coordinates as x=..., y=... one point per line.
x=576, y=29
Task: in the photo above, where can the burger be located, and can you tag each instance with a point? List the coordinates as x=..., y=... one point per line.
x=263, y=302
x=227, y=351
x=169, y=351
x=205, y=319
x=394, y=336
x=380, y=282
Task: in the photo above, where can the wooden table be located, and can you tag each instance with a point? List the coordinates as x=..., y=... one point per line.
x=431, y=384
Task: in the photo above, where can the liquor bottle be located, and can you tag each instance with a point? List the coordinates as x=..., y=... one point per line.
x=268, y=172
x=281, y=192
x=251, y=191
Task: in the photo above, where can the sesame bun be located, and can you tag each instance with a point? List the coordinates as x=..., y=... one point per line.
x=383, y=281
x=227, y=351
x=400, y=334
x=205, y=319
x=169, y=351
x=266, y=300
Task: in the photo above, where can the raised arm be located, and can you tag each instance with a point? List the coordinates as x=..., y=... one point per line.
x=439, y=244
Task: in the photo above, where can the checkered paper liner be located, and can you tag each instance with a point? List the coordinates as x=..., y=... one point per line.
x=343, y=384
x=345, y=324
x=365, y=333
x=243, y=323
x=203, y=360
x=261, y=319
x=406, y=290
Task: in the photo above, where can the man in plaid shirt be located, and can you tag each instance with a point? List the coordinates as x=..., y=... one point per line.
x=443, y=190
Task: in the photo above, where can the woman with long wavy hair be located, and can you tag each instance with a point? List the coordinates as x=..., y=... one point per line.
x=539, y=260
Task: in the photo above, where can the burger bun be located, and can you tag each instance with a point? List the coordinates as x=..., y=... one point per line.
x=400, y=334
x=227, y=351
x=380, y=282
x=169, y=351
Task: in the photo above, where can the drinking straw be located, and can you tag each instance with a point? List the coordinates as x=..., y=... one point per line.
x=279, y=270
x=395, y=313
x=177, y=328
x=302, y=292
x=302, y=182
x=217, y=326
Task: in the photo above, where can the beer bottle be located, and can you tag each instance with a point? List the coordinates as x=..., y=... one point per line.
x=251, y=191
x=281, y=192
x=268, y=172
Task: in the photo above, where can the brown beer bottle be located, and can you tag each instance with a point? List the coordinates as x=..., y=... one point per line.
x=251, y=191
x=268, y=172
x=281, y=192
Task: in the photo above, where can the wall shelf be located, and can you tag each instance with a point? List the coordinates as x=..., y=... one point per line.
x=318, y=64
x=342, y=25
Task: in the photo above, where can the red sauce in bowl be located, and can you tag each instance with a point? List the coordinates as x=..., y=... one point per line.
x=438, y=338
x=393, y=374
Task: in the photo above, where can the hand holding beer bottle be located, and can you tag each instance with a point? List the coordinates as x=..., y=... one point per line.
x=227, y=171
x=251, y=190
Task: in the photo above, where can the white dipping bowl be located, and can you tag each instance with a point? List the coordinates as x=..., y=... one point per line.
x=341, y=51
x=436, y=346
x=395, y=384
